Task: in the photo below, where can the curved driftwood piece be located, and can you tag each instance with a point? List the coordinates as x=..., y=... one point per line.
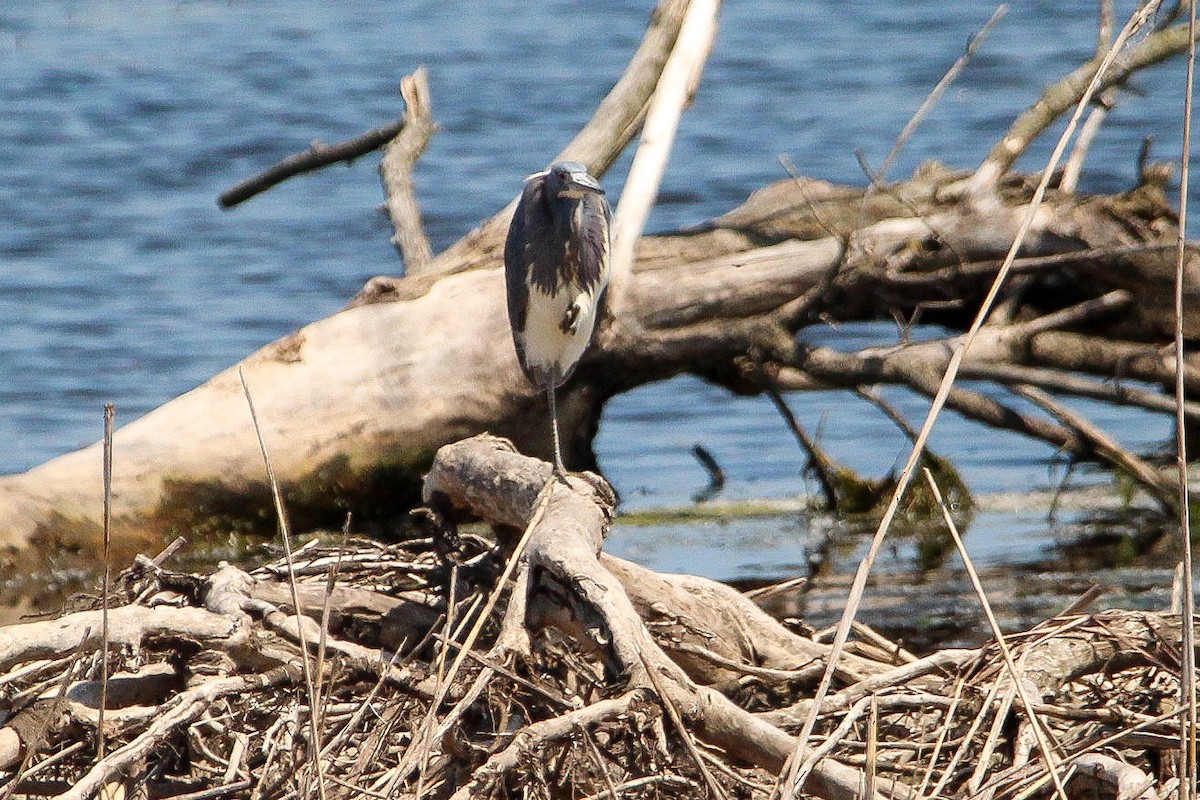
x=355, y=406
x=127, y=627
x=486, y=476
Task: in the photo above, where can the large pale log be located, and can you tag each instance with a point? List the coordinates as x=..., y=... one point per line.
x=347, y=404
x=354, y=406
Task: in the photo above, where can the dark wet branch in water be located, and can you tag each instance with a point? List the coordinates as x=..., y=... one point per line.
x=716, y=475
x=316, y=157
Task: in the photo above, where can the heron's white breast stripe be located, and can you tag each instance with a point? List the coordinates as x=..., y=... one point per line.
x=547, y=346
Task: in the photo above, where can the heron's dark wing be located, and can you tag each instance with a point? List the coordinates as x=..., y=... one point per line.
x=515, y=247
x=593, y=235
x=528, y=254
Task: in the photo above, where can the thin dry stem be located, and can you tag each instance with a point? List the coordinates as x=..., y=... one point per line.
x=110, y=414
x=942, y=734
x=685, y=735
x=872, y=765
x=974, y=43
x=1187, y=684
x=326, y=610
x=1039, y=728
x=791, y=788
x=286, y=536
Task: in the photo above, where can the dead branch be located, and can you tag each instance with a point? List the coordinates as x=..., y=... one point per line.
x=317, y=156
x=1130, y=782
x=819, y=464
x=400, y=155
x=526, y=744
x=1066, y=383
x=685, y=609
x=676, y=86
x=564, y=547
x=1059, y=97
x=128, y=627
x=1162, y=488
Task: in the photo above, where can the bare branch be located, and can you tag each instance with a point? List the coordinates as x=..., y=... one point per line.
x=674, y=92
x=1065, y=382
x=1073, y=169
x=396, y=168
x=1064, y=95
x=1104, y=444
x=316, y=157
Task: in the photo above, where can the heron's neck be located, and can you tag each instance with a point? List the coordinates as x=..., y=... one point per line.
x=563, y=211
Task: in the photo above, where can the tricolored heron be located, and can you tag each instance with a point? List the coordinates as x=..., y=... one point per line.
x=556, y=269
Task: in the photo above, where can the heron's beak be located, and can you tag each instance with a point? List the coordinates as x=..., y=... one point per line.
x=579, y=183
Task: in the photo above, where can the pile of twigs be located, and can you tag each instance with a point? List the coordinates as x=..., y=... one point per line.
x=209, y=694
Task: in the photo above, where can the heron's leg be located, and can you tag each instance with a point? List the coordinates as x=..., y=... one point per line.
x=559, y=469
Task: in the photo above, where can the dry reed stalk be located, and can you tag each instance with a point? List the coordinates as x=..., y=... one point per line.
x=56, y=758
x=872, y=762
x=1037, y=725
x=968, y=738
x=896, y=649
x=1035, y=779
x=993, y=740
x=943, y=733
x=641, y=783
x=598, y=760
x=1187, y=683
x=286, y=536
x=853, y=714
x=440, y=669
x=327, y=609
x=110, y=415
x=789, y=788
x=973, y=44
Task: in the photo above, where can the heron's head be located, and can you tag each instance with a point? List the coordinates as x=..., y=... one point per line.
x=569, y=180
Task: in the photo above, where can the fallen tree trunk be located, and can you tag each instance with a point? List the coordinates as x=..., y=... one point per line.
x=355, y=406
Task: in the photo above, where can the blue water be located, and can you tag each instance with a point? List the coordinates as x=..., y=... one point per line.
x=121, y=122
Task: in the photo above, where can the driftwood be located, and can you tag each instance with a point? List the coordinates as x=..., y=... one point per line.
x=621, y=681
x=355, y=406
